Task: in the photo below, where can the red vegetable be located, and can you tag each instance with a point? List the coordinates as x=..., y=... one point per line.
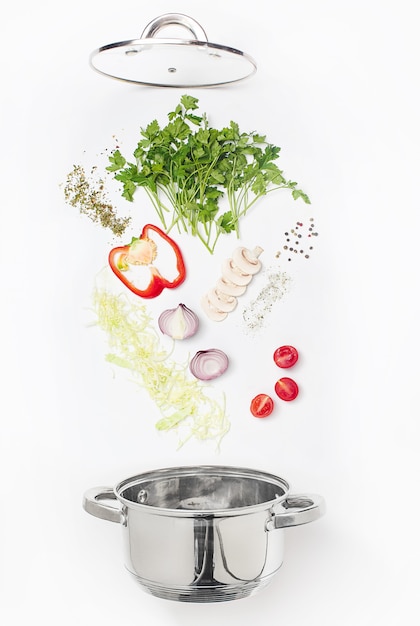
x=286, y=389
x=262, y=405
x=285, y=356
x=143, y=251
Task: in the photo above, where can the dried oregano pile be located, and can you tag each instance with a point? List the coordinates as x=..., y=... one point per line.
x=88, y=195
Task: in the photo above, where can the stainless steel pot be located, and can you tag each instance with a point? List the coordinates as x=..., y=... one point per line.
x=203, y=533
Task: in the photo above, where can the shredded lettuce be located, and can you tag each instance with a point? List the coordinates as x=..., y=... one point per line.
x=185, y=404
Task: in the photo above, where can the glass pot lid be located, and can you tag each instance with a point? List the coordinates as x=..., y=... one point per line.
x=175, y=62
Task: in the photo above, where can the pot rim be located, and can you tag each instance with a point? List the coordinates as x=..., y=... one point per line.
x=210, y=470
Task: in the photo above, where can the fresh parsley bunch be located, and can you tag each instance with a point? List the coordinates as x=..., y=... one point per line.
x=187, y=167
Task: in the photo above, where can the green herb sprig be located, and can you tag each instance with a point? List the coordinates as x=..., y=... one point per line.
x=187, y=167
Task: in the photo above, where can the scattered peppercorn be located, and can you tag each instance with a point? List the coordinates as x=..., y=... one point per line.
x=298, y=239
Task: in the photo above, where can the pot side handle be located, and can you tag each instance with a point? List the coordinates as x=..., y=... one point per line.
x=300, y=509
x=93, y=505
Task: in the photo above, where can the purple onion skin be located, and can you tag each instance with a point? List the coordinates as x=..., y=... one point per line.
x=189, y=317
x=209, y=364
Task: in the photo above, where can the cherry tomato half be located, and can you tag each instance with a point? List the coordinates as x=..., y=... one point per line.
x=286, y=389
x=262, y=405
x=285, y=356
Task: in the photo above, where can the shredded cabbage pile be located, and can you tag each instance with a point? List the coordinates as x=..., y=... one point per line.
x=182, y=401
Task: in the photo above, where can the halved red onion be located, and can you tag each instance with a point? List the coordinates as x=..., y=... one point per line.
x=178, y=323
x=209, y=364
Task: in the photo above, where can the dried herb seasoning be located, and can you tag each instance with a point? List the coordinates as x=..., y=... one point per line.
x=88, y=195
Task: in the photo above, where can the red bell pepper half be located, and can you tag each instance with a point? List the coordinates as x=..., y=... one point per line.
x=143, y=251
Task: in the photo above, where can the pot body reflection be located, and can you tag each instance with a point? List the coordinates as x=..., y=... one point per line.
x=201, y=558
x=203, y=533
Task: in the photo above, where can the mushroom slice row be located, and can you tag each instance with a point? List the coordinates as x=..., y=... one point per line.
x=237, y=273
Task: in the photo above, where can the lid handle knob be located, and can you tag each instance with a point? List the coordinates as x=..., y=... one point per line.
x=176, y=19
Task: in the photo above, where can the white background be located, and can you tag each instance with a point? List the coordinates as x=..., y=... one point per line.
x=337, y=88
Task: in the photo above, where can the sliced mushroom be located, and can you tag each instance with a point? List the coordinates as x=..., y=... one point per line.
x=227, y=286
x=234, y=274
x=247, y=260
x=214, y=314
x=237, y=273
x=221, y=301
